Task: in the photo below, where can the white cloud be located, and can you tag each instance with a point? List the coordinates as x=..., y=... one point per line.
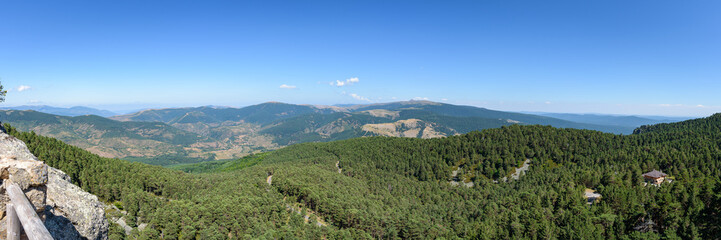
x=420, y=98
x=339, y=83
x=444, y=99
x=23, y=88
x=548, y=102
x=285, y=86
x=357, y=97
x=689, y=106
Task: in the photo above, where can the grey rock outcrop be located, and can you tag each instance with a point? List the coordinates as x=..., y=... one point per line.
x=82, y=210
x=67, y=211
x=19, y=166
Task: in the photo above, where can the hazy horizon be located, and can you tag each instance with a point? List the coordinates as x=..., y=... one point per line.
x=131, y=108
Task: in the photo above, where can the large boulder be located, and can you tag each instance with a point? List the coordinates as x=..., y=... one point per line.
x=19, y=166
x=65, y=201
x=67, y=210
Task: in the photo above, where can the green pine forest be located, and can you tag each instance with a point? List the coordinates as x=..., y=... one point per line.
x=398, y=188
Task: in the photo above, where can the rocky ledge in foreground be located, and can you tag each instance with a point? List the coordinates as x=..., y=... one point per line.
x=67, y=211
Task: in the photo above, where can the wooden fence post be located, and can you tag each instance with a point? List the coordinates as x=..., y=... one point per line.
x=33, y=226
x=13, y=223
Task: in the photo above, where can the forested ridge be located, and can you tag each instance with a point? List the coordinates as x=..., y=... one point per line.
x=189, y=135
x=398, y=187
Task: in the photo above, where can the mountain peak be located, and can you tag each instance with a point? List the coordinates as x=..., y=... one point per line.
x=275, y=102
x=413, y=101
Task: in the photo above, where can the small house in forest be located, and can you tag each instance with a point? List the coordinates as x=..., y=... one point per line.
x=654, y=177
x=591, y=196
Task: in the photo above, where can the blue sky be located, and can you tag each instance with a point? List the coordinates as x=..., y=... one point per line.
x=624, y=57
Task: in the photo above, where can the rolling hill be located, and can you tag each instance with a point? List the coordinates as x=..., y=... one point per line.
x=107, y=137
x=470, y=111
x=178, y=135
x=288, y=123
x=256, y=114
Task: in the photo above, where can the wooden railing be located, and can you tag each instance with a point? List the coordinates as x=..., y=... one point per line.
x=20, y=211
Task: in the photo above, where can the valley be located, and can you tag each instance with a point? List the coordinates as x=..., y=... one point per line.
x=187, y=135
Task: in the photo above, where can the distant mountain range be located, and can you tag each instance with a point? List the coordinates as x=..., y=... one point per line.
x=614, y=120
x=176, y=135
x=70, y=112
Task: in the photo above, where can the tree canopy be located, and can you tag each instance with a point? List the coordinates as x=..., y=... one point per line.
x=392, y=188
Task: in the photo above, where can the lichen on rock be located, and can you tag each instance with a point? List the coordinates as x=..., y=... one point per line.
x=67, y=211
